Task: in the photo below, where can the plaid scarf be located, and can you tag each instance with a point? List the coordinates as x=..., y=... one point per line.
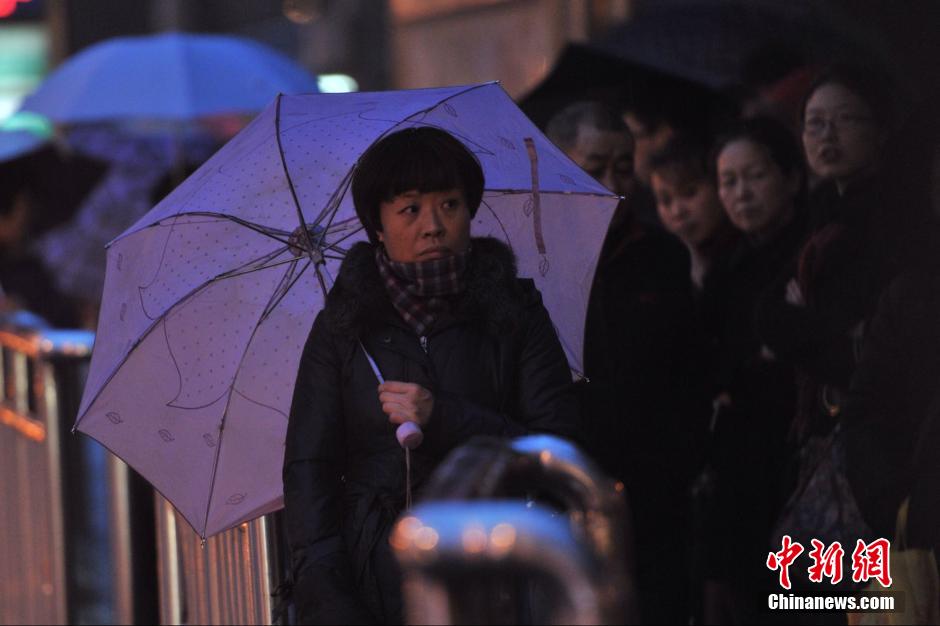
x=418, y=290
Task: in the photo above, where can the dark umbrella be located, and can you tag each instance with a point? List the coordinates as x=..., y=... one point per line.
x=679, y=58
x=709, y=41
x=586, y=72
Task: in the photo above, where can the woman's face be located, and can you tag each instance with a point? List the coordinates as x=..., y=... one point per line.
x=688, y=206
x=423, y=226
x=754, y=191
x=840, y=137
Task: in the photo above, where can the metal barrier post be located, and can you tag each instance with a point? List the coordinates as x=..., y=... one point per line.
x=228, y=579
x=33, y=547
x=523, y=531
x=71, y=549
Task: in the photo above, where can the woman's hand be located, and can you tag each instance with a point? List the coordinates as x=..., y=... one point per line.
x=406, y=402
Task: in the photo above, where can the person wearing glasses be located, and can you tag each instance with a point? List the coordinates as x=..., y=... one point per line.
x=818, y=316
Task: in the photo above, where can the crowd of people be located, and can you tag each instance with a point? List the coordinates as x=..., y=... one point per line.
x=773, y=318
x=764, y=307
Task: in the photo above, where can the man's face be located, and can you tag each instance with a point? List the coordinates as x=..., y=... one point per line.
x=607, y=156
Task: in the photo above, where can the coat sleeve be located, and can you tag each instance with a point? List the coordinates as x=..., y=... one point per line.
x=313, y=464
x=543, y=398
x=817, y=343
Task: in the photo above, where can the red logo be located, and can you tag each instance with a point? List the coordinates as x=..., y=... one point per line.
x=826, y=563
x=783, y=559
x=872, y=561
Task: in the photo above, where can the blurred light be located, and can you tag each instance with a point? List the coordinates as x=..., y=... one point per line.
x=545, y=456
x=301, y=11
x=8, y=7
x=337, y=83
x=502, y=538
x=618, y=487
x=24, y=52
x=426, y=538
x=405, y=532
x=37, y=124
x=473, y=540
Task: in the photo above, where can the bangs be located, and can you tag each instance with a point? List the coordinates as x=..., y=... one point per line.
x=426, y=169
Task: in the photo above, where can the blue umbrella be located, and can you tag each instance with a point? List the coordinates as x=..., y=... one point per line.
x=17, y=143
x=170, y=76
x=23, y=134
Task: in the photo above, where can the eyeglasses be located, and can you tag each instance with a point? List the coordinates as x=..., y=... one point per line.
x=816, y=124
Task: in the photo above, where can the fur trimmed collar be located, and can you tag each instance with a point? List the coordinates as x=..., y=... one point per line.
x=493, y=296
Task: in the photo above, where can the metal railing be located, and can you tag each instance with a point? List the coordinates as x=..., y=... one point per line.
x=73, y=544
x=228, y=579
x=40, y=371
x=84, y=540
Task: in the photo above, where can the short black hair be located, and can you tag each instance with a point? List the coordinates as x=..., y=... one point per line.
x=874, y=86
x=683, y=155
x=424, y=158
x=779, y=142
x=562, y=129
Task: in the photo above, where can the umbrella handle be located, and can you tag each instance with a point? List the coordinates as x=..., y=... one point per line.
x=409, y=435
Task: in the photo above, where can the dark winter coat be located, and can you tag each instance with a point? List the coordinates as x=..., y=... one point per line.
x=642, y=410
x=891, y=442
x=859, y=243
x=494, y=366
x=748, y=451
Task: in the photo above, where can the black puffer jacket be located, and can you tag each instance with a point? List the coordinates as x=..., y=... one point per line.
x=494, y=366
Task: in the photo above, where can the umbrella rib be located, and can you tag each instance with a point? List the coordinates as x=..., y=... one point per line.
x=335, y=198
x=262, y=230
x=272, y=304
x=290, y=181
x=335, y=245
x=332, y=206
x=228, y=401
x=154, y=322
x=234, y=272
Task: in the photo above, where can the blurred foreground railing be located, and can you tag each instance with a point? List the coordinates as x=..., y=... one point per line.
x=521, y=532
x=71, y=549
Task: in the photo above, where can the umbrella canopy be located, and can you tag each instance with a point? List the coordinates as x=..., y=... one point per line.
x=209, y=297
x=17, y=143
x=587, y=72
x=170, y=76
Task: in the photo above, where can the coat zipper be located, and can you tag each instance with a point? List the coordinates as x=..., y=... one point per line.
x=424, y=344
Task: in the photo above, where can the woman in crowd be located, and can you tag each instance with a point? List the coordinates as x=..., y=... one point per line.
x=816, y=318
x=465, y=348
x=892, y=413
x=761, y=181
x=837, y=317
x=688, y=206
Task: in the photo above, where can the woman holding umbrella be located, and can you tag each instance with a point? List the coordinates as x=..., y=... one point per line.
x=465, y=349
